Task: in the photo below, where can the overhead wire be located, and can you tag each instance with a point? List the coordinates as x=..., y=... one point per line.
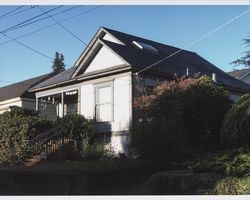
x=24, y=23
x=29, y=8
x=6, y=14
x=48, y=26
x=72, y=34
x=28, y=47
x=196, y=41
x=63, y=27
x=41, y=19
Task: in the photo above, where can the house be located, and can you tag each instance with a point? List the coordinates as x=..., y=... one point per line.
x=104, y=81
x=243, y=75
x=17, y=94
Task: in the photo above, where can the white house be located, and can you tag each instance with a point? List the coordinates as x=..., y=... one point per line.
x=17, y=94
x=102, y=84
x=242, y=74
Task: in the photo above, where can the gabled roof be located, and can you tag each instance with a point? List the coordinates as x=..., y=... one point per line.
x=239, y=73
x=138, y=59
x=178, y=63
x=20, y=89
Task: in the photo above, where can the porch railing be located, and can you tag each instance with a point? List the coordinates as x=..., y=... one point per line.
x=48, y=142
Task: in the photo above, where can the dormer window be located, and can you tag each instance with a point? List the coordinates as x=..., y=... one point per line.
x=144, y=46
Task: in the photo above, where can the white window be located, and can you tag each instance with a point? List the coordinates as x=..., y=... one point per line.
x=104, y=103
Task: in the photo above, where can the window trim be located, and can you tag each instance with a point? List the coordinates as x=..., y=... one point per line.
x=97, y=87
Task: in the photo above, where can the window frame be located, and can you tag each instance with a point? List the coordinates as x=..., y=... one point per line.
x=97, y=104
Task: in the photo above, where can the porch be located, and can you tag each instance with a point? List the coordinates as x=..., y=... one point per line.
x=58, y=104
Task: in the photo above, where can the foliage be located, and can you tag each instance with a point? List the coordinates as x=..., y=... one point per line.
x=182, y=182
x=235, y=131
x=179, y=118
x=232, y=186
x=58, y=64
x=245, y=60
x=232, y=163
x=17, y=127
x=75, y=126
x=96, y=150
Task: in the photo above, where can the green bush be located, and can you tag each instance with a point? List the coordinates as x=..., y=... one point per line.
x=96, y=150
x=232, y=186
x=75, y=126
x=235, y=131
x=178, y=119
x=234, y=163
x=182, y=182
x=17, y=127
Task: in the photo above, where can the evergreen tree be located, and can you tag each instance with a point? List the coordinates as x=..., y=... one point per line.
x=58, y=64
x=245, y=60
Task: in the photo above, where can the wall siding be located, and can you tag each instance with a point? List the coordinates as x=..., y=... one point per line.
x=103, y=60
x=87, y=101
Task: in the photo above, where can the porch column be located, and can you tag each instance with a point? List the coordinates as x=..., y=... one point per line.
x=37, y=104
x=62, y=98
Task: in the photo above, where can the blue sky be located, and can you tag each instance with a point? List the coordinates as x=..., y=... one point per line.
x=173, y=25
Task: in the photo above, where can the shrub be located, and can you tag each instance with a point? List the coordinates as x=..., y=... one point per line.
x=232, y=163
x=177, y=119
x=232, y=186
x=17, y=127
x=75, y=126
x=96, y=150
x=182, y=182
x=235, y=131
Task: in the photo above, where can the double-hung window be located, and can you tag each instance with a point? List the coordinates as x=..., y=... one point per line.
x=104, y=102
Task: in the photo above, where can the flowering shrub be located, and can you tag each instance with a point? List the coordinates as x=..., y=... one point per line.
x=180, y=117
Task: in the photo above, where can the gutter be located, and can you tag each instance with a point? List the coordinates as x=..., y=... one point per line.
x=83, y=78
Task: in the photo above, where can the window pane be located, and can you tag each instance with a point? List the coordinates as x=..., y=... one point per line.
x=104, y=95
x=104, y=112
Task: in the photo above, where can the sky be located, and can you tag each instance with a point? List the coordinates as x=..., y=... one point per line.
x=173, y=25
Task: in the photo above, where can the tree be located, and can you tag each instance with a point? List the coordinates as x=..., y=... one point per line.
x=245, y=60
x=58, y=64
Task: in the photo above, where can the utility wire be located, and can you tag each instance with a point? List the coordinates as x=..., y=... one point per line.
x=32, y=22
x=28, y=47
x=31, y=7
x=6, y=14
x=30, y=19
x=196, y=41
x=63, y=27
x=48, y=26
x=72, y=34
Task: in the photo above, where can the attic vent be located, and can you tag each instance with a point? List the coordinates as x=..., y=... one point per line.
x=145, y=46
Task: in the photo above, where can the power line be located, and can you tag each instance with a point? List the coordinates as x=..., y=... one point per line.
x=28, y=47
x=43, y=18
x=63, y=27
x=31, y=7
x=196, y=41
x=11, y=11
x=72, y=34
x=48, y=26
x=30, y=19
